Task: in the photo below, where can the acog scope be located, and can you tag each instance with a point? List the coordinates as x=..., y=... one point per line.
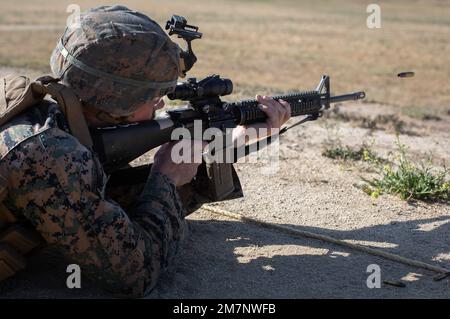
x=208, y=87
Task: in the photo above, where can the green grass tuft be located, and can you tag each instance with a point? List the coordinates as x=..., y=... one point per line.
x=409, y=180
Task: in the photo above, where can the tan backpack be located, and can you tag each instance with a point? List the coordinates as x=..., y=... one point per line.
x=17, y=94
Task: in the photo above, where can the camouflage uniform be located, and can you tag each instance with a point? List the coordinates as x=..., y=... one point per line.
x=59, y=185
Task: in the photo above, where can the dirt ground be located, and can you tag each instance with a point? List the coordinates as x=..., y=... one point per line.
x=225, y=258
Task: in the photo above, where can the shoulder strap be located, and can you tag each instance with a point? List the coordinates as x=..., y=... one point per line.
x=70, y=105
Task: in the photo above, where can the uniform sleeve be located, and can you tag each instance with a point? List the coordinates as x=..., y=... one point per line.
x=59, y=186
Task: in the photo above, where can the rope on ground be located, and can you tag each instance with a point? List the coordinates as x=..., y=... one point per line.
x=301, y=233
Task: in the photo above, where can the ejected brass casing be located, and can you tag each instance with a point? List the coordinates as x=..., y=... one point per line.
x=406, y=74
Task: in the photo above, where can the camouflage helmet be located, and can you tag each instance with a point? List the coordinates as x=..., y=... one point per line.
x=115, y=58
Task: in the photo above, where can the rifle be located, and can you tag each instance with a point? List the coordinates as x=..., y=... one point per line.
x=117, y=146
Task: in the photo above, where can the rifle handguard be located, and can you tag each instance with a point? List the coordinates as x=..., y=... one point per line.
x=303, y=103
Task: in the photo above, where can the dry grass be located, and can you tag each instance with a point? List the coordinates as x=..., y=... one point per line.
x=282, y=45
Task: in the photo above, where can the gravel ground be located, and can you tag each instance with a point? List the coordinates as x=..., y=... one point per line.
x=224, y=258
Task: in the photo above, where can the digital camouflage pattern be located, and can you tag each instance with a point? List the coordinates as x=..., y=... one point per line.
x=121, y=42
x=59, y=186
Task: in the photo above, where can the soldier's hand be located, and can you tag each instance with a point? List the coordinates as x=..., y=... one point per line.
x=278, y=112
x=179, y=161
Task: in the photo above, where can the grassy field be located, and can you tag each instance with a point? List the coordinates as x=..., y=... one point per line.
x=267, y=46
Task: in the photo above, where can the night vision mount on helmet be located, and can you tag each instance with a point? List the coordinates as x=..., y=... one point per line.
x=178, y=25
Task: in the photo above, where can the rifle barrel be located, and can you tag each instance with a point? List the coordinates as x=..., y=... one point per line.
x=348, y=97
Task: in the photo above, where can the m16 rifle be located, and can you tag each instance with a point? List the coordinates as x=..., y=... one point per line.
x=121, y=144
x=116, y=146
